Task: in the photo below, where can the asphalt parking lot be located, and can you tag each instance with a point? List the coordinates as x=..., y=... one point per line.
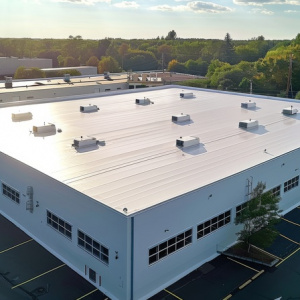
x=227, y=278
x=28, y=271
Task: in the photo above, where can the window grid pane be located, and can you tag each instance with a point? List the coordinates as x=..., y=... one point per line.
x=168, y=247
x=93, y=247
x=10, y=193
x=288, y=185
x=221, y=220
x=59, y=225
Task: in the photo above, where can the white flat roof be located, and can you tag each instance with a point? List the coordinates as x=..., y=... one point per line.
x=139, y=164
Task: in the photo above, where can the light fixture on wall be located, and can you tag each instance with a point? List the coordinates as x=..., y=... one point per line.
x=117, y=255
x=209, y=196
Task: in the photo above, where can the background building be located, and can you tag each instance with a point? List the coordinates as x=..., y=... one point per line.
x=133, y=190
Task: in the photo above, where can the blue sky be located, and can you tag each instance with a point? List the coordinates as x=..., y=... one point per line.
x=97, y=19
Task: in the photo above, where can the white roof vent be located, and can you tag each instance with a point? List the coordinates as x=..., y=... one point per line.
x=47, y=129
x=181, y=118
x=186, y=95
x=248, y=104
x=248, y=124
x=145, y=101
x=289, y=110
x=187, y=141
x=85, y=142
x=18, y=117
x=89, y=108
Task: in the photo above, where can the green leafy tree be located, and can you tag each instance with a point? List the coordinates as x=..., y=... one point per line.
x=297, y=96
x=171, y=35
x=108, y=64
x=28, y=73
x=71, y=62
x=93, y=61
x=175, y=66
x=260, y=213
x=138, y=60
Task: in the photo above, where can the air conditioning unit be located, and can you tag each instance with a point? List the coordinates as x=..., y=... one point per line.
x=24, y=116
x=89, y=108
x=44, y=129
x=144, y=101
x=181, y=118
x=85, y=142
x=186, y=95
x=289, y=110
x=187, y=141
x=248, y=104
x=248, y=124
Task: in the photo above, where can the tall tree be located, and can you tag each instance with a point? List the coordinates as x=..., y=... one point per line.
x=172, y=35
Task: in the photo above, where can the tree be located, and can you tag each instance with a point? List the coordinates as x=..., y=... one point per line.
x=297, y=96
x=28, y=73
x=261, y=212
x=93, y=61
x=175, y=66
x=123, y=50
x=108, y=64
x=171, y=35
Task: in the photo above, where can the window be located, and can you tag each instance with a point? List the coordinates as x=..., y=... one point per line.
x=92, y=275
x=93, y=247
x=276, y=191
x=288, y=185
x=168, y=247
x=240, y=208
x=213, y=224
x=59, y=224
x=10, y=193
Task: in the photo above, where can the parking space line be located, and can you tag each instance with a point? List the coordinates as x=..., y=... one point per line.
x=266, y=252
x=257, y=274
x=173, y=294
x=93, y=291
x=13, y=247
x=244, y=284
x=290, y=222
x=227, y=297
x=289, y=239
x=287, y=257
x=22, y=283
x=243, y=264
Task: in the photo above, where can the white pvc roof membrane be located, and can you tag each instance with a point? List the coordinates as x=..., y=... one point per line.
x=139, y=165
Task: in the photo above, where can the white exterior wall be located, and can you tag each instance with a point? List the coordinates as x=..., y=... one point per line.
x=194, y=208
x=40, y=63
x=106, y=226
x=8, y=65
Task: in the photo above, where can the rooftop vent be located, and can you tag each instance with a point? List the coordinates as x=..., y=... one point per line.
x=67, y=78
x=186, y=95
x=181, y=118
x=289, y=110
x=248, y=104
x=89, y=108
x=187, y=141
x=144, y=101
x=44, y=129
x=248, y=124
x=85, y=142
x=18, y=117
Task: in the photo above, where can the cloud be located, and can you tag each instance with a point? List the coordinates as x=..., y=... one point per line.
x=127, y=4
x=84, y=2
x=266, y=2
x=194, y=6
x=262, y=11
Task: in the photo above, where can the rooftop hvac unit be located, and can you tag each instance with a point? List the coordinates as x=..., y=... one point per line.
x=186, y=95
x=144, y=101
x=18, y=117
x=8, y=82
x=187, y=141
x=181, y=118
x=89, y=108
x=248, y=104
x=44, y=129
x=85, y=142
x=248, y=124
x=67, y=78
x=289, y=110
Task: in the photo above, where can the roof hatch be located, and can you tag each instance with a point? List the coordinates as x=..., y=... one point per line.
x=248, y=104
x=187, y=141
x=89, y=108
x=181, y=118
x=290, y=110
x=18, y=117
x=248, y=124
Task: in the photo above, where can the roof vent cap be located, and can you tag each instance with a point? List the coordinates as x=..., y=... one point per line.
x=48, y=129
x=145, y=101
x=290, y=110
x=187, y=141
x=85, y=142
x=248, y=124
x=21, y=116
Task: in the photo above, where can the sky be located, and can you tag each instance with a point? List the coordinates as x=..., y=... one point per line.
x=147, y=19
